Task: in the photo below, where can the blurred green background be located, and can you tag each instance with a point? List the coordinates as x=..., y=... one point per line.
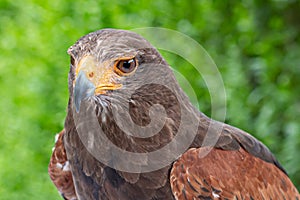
x=255, y=44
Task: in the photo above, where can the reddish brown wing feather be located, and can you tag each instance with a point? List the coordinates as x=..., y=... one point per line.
x=59, y=170
x=228, y=175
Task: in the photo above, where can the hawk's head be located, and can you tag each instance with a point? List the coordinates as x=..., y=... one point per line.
x=112, y=61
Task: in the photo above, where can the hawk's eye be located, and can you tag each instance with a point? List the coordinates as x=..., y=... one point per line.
x=124, y=67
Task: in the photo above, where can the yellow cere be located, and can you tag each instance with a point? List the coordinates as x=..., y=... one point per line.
x=101, y=75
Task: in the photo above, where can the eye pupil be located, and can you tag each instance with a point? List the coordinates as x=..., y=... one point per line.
x=126, y=66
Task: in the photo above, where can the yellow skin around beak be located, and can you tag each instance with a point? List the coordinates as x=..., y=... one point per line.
x=102, y=75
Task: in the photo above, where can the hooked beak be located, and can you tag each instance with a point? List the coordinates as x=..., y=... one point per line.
x=84, y=89
x=93, y=78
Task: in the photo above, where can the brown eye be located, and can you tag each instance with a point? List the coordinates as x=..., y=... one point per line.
x=126, y=66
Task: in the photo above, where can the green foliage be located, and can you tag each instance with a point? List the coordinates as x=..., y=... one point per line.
x=255, y=44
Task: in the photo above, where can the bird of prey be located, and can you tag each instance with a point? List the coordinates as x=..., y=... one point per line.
x=113, y=72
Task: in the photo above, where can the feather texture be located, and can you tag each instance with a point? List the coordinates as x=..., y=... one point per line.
x=227, y=174
x=59, y=170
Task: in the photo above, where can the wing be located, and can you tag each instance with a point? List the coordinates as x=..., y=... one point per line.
x=59, y=170
x=228, y=174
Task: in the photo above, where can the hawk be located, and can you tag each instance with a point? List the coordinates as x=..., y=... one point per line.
x=114, y=72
